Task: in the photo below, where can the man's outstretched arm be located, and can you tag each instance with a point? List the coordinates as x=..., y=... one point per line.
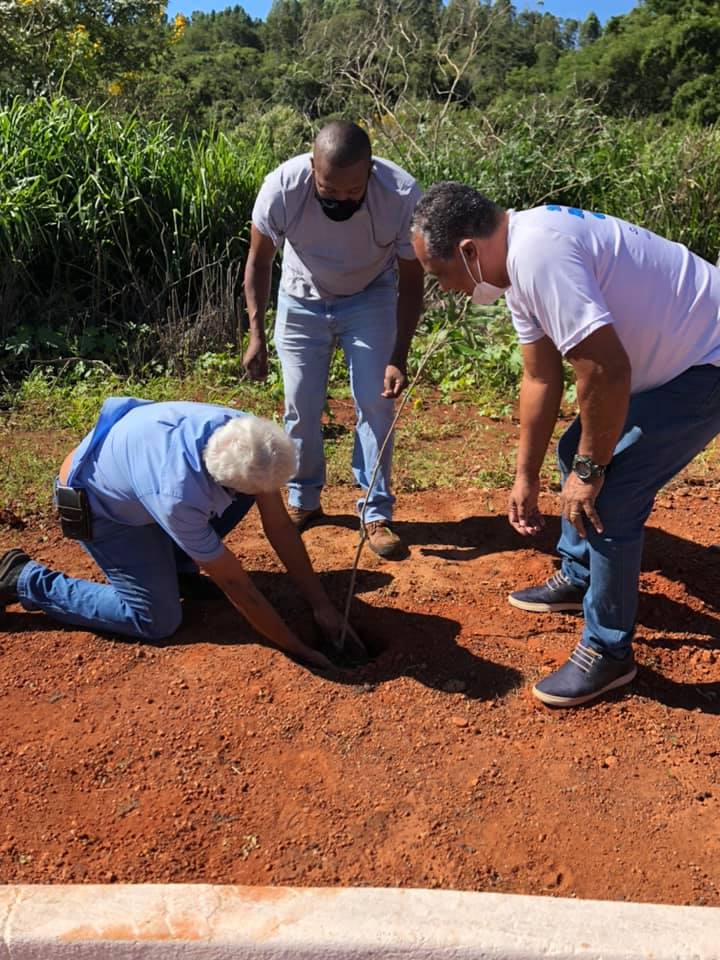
x=288, y=545
x=411, y=285
x=227, y=572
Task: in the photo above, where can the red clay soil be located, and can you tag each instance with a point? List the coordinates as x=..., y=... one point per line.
x=210, y=757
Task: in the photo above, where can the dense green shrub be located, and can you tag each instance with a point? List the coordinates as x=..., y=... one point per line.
x=123, y=241
x=118, y=239
x=537, y=150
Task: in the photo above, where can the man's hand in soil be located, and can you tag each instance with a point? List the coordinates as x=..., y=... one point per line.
x=330, y=624
x=523, y=512
x=228, y=574
x=255, y=358
x=308, y=655
x=288, y=545
x=577, y=501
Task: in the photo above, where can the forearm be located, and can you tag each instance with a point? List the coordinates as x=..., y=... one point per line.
x=603, y=397
x=287, y=544
x=409, y=310
x=257, y=293
x=247, y=599
x=297, y=563
x=407, y=321
x=539, y=407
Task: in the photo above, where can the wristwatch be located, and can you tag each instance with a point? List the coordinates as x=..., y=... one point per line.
x=585, y=469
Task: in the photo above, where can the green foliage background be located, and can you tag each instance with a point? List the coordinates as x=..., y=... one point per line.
x=131, y=149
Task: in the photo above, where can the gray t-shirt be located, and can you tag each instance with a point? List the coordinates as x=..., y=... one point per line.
x=323, y=258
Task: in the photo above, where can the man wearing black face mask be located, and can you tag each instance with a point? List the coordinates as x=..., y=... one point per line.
x=349, y=276
x=338, y=210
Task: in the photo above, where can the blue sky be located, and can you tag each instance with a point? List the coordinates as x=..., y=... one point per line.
x=561, y=8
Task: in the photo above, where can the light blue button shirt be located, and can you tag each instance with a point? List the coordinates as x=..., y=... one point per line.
x=149, y=469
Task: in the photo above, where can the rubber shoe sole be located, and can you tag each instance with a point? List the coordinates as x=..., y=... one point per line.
x=534, y=607
x=552, y=700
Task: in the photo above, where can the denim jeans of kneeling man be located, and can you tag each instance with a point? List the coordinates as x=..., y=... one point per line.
x=141, y=598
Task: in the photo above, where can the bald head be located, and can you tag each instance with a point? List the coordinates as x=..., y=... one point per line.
x=341, y=144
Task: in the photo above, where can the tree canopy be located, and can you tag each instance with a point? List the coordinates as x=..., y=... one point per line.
x=325, y=57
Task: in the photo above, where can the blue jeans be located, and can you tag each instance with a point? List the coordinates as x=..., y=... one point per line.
x=141, y=598
x=665, y=428
x=305, y=335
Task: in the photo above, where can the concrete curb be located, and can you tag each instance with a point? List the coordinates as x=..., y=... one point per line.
x=203, y=922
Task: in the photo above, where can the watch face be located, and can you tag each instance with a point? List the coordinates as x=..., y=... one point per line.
x=583, y=470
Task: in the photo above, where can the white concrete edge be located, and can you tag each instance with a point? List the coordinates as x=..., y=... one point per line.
x=204, y=922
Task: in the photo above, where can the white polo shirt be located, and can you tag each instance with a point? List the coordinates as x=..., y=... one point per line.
x=573, y=271
x=323, y=258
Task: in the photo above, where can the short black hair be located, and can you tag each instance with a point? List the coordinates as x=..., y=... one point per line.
x=451, y=211
x=342, y=144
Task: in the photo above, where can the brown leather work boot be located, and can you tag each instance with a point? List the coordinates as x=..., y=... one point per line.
x=382, y=540
x=302, y=519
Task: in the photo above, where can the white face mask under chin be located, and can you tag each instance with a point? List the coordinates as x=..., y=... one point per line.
x=484, y=293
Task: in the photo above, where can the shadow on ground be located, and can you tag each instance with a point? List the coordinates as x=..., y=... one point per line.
x=458, y=540
x=701, y=697
x=403, y=643
x=662, y=614
x=413, y=644
x=424, y=646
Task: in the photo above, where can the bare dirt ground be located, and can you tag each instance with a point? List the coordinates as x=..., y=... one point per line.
x=210, y=757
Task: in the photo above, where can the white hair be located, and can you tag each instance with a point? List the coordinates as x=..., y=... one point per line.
x=251, y=455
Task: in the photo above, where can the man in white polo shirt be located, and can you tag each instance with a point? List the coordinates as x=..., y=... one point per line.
x=349, y=276
x=638, y=319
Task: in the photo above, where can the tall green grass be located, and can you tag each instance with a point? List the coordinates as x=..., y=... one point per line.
x=524, y=153
x=119, y=239
x=123, y=241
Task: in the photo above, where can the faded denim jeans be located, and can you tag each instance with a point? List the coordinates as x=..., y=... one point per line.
x=665, y=429
x=306, y=332
x=141, y=598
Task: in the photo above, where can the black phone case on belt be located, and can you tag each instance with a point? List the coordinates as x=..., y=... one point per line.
x=74, y=512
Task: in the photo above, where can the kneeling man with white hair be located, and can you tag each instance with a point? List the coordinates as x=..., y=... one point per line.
x=150, y=493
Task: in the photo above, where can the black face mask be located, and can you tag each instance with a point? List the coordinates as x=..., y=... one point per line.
x=338, y=210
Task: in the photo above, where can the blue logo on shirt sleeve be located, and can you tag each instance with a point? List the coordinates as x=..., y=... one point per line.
x=573, y=211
